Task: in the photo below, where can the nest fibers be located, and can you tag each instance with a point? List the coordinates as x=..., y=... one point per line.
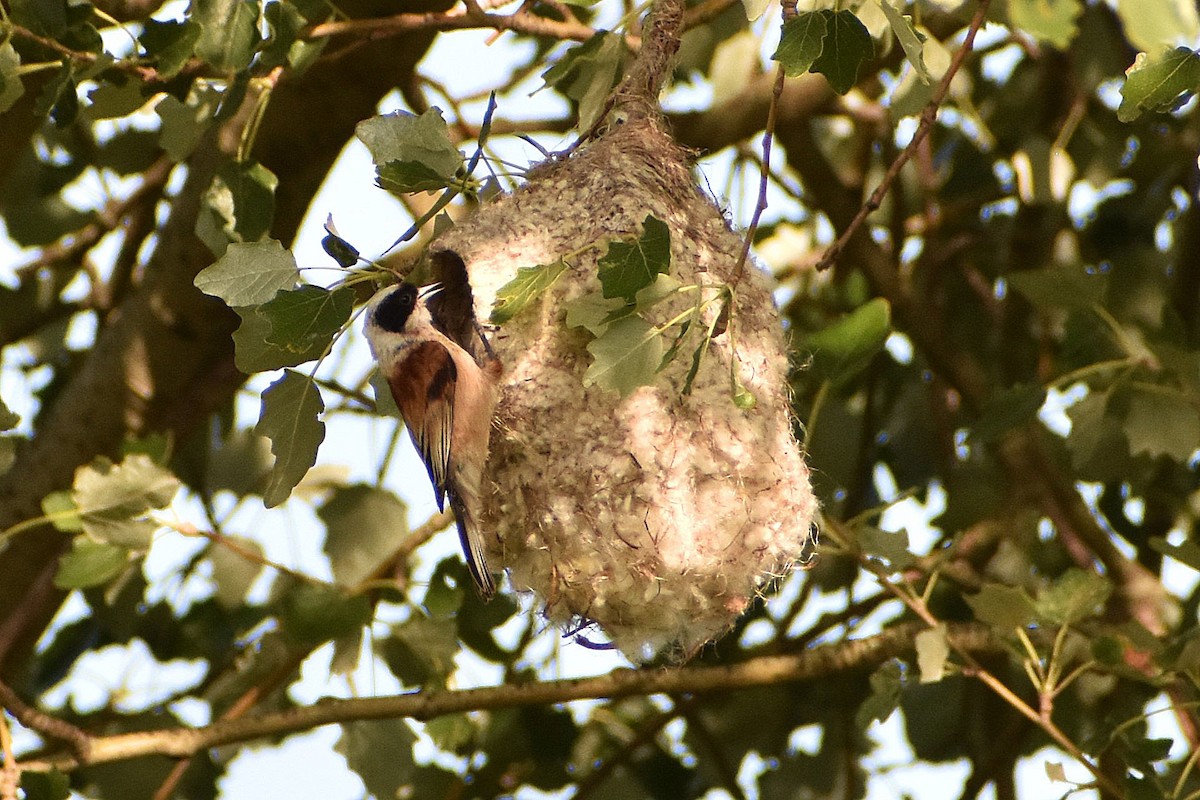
x=659, y=516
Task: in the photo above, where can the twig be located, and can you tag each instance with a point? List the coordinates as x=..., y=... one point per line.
x=154, y=180
x=789, y=11
x=45, y=724
x=858, y=654
x=928, y=117
x=972, y=668
x=10, y=772
x=147, y=74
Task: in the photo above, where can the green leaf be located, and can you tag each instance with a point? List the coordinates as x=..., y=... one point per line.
x=110, y=101
x=184, y=123
x=933, y=649
x=169, y=43
x=1051, y=21
x=252, y=190
x=60, y=508
x=1152, y=24
x=447, y=589
x=629, y=267
x=229, y=32
x=240, y=464
x=11, y=87
x=846, y=47
x=285, y=22
x=1160, y=421
x=1073, y=597
x=385, y=403
x=411, y=150
x=306, y=319
x=625, y=357
x=527, y=286
x=380, y=752
x=587, y=73
x=891, y=547
x=478, y=621
x=912, y=42
x=253, y=353
x=364, y=525
x=403, y=177
x=250, y=273
x=1159, y=83
x=846, y=347
x=1007, y=409
x=114, y=499
x=290, y=418
x=52, y=785
x=885, y=685
x=313, y=613
x=1097, y=443
x=453, y=733
x=800, y=43
x=421, y=650
x=592, y=312
x=345, y=254
x=1073, y=287
x=90, y=563
x=1005, y=608
x=234, y=569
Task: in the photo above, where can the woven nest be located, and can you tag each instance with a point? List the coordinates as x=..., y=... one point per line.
x=659, y=515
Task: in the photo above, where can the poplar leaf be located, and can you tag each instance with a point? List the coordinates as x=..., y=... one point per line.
x=1003, y=607
x=625, y=357
x=114, y=499
x=527, y=286
x=11, y=87
x=290, y=418
x=306, y=319
x=90, y=563
x=629, y=267
x=1159, y=83
x=847, y=45
x=1051, y=22
x=932, y=651
x=800, y=43
x=411, y=152
x=363, y=526
x=250, y=273
x=911, y=41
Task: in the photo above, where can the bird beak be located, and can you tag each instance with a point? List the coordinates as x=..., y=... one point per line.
x=429, y=290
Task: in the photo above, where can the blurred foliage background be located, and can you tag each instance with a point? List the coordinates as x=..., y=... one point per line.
x=998, y=378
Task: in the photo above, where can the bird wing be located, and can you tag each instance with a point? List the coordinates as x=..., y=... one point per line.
x=424, y=390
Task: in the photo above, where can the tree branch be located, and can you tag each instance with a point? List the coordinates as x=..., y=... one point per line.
x=928, y=117
x=456, y=19
x=858, y=654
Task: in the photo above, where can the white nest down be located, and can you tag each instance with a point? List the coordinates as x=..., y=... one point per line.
x=658, y=516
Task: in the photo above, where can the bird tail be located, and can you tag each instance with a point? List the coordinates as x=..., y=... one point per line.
x=472, y=545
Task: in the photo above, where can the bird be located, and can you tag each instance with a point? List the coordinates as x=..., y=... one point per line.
x=446, y=398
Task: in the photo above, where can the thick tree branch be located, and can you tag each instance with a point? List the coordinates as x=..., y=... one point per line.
x=858, y=654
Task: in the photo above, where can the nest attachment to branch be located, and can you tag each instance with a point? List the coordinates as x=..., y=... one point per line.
x=662, y=514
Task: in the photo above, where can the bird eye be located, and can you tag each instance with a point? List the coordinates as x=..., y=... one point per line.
x=394, y=310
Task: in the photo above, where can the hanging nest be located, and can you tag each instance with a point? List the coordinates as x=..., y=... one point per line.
x=658, y=515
